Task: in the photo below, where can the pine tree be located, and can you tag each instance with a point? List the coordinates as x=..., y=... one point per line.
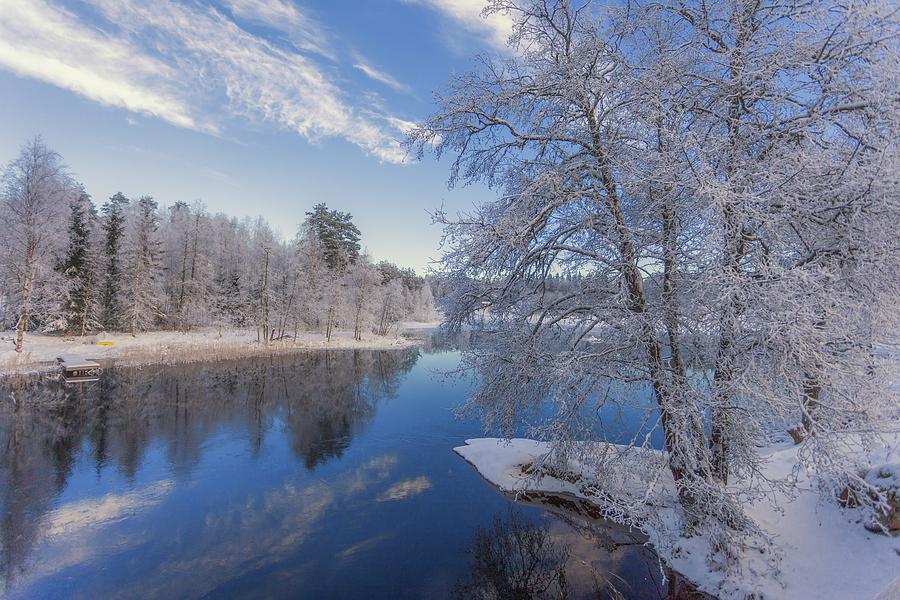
x=339, y=236
x=144, y=293
x=114, y=230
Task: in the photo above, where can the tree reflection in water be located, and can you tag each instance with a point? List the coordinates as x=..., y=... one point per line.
x=322, y=398
x=567, y=558
x=517, y=560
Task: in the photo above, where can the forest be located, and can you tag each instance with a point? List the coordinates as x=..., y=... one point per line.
x=71, y=268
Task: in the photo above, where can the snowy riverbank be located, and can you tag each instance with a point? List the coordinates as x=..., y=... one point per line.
x=164, y=347
x=825, y=552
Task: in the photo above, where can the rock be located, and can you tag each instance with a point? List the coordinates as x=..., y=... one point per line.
x=886, y=479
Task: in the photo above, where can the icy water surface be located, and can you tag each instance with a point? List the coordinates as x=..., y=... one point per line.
x=322, y=475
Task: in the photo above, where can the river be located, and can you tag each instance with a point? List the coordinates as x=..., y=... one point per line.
x=318, y=475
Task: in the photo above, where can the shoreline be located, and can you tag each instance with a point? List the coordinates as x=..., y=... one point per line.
x=821, y=549
x=572, y=506
x=173, y=347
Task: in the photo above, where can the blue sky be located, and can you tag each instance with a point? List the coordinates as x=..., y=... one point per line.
x=252, y=106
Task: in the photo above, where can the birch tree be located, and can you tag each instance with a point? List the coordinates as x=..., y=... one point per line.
x=793, y=156
x=144, y=296
x=362, y=288
x=550, y=128
x=36, y=187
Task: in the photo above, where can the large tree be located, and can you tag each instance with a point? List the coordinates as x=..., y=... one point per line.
x=724, y=189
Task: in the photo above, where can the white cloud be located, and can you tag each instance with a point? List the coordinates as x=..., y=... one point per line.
x=189, y=65
x=468, y=14
x=46, y=43
x=305, y=32
x=381, y=77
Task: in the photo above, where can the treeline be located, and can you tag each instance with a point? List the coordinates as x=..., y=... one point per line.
x=134, y=266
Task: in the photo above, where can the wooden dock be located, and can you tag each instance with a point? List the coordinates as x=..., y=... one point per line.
x=78, y=369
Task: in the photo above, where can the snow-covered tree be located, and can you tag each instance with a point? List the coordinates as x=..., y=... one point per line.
x=721, y=181
x=189, y=274
x=36, y=188
x=79, y=308
x=143, y=268
x=113, y=293
x=362, y=282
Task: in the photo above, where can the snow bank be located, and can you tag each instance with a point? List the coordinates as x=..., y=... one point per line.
x=826, y=553
x=161, y=347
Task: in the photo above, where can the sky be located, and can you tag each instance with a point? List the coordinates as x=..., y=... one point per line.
x=254, y=107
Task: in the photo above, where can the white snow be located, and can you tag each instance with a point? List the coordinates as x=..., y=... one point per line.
x=172, y=346
x=825, y=552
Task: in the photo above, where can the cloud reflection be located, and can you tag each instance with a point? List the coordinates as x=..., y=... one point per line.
x=71, y=518
x=406, y=489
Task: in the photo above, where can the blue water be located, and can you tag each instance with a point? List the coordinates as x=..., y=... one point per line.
x=313, y=476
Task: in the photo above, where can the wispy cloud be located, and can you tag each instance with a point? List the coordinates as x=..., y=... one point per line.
x=468, y=14
x=381, y=77
x=47, y=43
x=192, y=66
x=305, y=32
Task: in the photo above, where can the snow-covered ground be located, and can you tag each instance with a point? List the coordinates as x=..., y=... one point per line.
x=173, y=346
x=825, y=552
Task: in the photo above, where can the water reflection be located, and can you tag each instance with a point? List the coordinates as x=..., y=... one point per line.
x=562, y=557
x=515, y=559
x=319, y=400
x=325, y=475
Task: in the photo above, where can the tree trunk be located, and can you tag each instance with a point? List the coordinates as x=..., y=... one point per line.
x=25, y=309
x=82, y=325
x=20, y=328
x=679, y=441
x=265, y=299
x=733, y=248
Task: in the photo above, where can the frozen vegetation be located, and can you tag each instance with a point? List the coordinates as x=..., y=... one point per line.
x=169, y=347
x=717, y=184
x=70, y=270
x=721, y=181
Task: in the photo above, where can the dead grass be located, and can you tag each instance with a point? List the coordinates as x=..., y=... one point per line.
x=193, y=350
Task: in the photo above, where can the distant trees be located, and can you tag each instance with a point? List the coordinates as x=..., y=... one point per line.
x=134, y=266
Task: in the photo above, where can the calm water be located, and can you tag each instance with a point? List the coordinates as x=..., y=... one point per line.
x=325, y=475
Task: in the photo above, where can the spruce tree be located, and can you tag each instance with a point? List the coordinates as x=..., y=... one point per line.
x=114, y=230
x=79, y=308
x=229, y=303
